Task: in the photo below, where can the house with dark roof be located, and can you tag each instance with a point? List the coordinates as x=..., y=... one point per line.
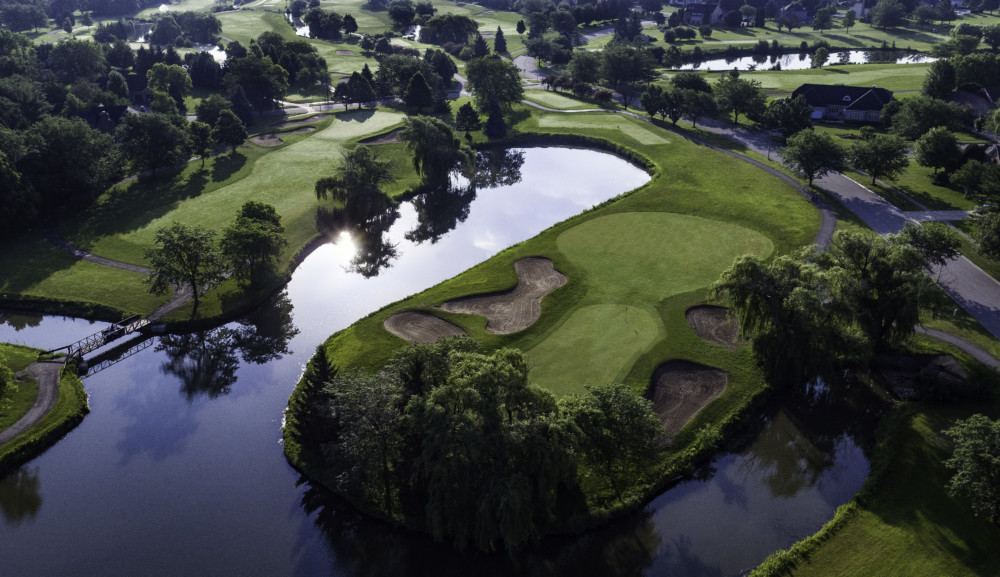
x=138, y=89
x=794, y=11
x=844, y=103
x=699, y=13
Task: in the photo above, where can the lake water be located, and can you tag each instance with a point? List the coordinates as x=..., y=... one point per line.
x=803, y=61
x=178, y=470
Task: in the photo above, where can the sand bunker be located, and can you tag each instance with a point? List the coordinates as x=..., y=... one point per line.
x=345, y=53
x=710, y=323
x=679, y=389
x=511, y=311
x=418, y=327
x=272, y=138
x=301, y=121
x=387, y=138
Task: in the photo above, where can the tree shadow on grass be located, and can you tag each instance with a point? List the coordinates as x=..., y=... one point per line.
x=226, y=166
x=356, y=115
x=130, y=208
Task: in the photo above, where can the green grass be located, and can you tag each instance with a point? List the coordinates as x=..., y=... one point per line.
x=18, y=357
x=69, y=410
x=910, y=525
x=890, y=76
x=919, y=183
x=556, y=100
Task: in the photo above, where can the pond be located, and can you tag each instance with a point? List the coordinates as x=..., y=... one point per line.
x=178, y=470
x=803, y=61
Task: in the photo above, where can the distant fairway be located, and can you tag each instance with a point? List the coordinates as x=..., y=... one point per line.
x=284, y=178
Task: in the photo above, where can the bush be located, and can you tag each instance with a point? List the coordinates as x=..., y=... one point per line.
x=669, y=35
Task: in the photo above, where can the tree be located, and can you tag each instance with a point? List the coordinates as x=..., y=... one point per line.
x=494, y=81
x=183, y=255
x=823, y=19
x=691, y=81
x=991, y=35
x=357, y=184
x=987, y=234
x=479, y=46
x=71, y=59
x=208, y=109
x=781, y=312
x=919, y=114
x=585, y=66
x=882, y=156
x=940, y=80
x=254, y=240
x=202, y=140
x=969, y=176
x=229, y=130
x=820, y=57
x=499, y=42
x=976, y=462
x=467, y=119
x=937, y=148
x=402, y=13
x=418, y=93
x=495, y=125
x=788, y=115
x=739, y=95
x=171, y=79
x=620, y=432
x=357, y=90
x=652, y=100
x=849, y=20
x=887, y=14
x=436, y=150
x=520, y=27
x=696, y=104
x=813, y=154
x=879, y=285
x=625, y=67
x=936, y=241
x=350, y=24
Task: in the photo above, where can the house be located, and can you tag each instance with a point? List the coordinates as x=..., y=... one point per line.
x=698, y=14
x=794, y=11
x=845, y=103
x=138, y=91
x=103, y=118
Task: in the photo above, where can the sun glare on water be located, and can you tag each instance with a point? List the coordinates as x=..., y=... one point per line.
x=344, y=245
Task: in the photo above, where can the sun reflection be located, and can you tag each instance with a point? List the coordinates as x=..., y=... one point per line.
x=345, y=245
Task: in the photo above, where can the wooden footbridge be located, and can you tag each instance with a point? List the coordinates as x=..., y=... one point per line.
x=115, y=331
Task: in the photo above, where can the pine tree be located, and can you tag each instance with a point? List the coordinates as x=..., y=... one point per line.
x=418, y=93
x=479, y=47
x=520, y=27
x=499, y=42
x=495, y=125
x=467, y=119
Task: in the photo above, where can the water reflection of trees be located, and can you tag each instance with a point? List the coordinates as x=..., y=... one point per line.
x=19, y=321
x=440, y=207
x=205, y=361
x=800, y=442
x=365, y=547
x=20, y=497
x=263, y=334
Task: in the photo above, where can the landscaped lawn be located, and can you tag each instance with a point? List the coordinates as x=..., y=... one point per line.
x=555, y=100
x=17, y=358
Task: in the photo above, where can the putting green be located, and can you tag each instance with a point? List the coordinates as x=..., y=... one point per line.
x=601, y=120
x=644, y=257
x=597, y=344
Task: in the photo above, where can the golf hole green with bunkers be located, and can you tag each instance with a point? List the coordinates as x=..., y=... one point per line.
x=633, y=267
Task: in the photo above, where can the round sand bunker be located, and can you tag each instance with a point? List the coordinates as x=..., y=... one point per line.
x=679, y=389
x=713, y=325
x=419, y=327
x=515, y=310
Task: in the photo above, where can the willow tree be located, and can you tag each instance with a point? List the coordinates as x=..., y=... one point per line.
x=357, y=183
x=436, y=149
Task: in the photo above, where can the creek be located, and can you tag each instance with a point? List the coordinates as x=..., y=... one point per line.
x=178, y=469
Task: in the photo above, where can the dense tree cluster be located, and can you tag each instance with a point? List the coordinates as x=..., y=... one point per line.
x=460, y=442
x=860, y=297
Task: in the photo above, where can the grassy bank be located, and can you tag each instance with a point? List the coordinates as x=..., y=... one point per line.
x=69, y=410
x=903, y=522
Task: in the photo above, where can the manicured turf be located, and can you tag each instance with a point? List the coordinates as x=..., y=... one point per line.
x=645, y=257
x=284, y=178
x=555, y=100
x=636, y=130
x=919, y=183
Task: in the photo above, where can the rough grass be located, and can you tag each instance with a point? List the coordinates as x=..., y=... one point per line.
x=18, y=357
x=67, y=413
x=920, y=183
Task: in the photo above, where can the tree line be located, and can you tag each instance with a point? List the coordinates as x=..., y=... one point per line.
x=460, y=442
